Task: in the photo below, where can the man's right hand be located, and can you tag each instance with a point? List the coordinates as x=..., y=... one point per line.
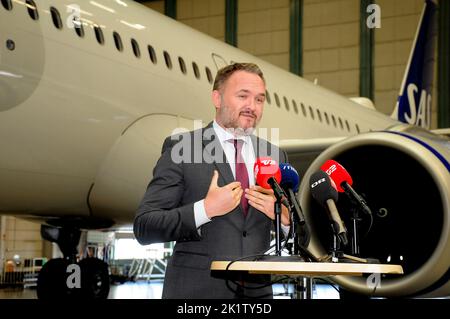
x=222, y=200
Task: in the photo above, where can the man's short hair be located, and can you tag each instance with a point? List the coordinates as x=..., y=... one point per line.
x=224, y=73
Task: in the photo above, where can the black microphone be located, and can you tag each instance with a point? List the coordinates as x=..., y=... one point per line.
x=324, y=192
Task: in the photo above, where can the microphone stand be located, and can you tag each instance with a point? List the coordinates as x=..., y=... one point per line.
x=303, y=284
x=277, y=210
x=355, y=237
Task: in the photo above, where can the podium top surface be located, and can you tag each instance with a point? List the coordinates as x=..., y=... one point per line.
x=307, y=268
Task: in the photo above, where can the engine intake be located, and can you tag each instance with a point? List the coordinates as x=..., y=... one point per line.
x=404, y=177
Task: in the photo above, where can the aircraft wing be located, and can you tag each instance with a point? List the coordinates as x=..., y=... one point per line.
x=442, y=131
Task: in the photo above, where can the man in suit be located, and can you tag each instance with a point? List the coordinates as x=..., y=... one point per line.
x=203, y=195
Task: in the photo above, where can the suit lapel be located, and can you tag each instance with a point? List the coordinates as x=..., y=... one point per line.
x=214, y=153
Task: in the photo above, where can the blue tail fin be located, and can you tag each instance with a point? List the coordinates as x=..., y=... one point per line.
x=414, y=100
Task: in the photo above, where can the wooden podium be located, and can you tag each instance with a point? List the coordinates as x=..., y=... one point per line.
x=305, y=271
x=306, y=268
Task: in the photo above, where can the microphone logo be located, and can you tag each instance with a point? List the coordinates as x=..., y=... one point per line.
x=317, y=182
x=269, y=162
x=331, y=169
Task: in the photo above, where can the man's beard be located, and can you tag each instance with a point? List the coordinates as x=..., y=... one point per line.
x=231, y=123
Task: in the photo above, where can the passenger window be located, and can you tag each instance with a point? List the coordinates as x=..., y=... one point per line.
x=347, y=125
x=7, y=4
x=152, y=54
x=277, y=100
x=334, y=120
x=268, y=97
x=168, y=60
x=326, y=118
x=32, y=9
x=340, y=124
x=78, y=26
x=99, y=35
x=286, y=103
x=319, y=115
x=295, y=106
x=311, y=112
x=136, y=49
x=118, y=41
x=56, y=18
x=209, y=75
x=303, y=109
x=196, y=71
x=182, y=65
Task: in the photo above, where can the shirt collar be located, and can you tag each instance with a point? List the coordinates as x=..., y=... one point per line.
x=225, y=135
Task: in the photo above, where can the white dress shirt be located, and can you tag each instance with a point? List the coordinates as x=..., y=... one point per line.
x=248, y=154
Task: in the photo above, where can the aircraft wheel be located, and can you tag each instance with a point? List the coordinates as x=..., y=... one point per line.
x=51, y=281
x=94, y=278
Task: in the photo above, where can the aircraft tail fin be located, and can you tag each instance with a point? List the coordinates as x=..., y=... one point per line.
x=414, y=101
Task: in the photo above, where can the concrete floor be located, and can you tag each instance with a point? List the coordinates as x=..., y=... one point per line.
x=153, y=290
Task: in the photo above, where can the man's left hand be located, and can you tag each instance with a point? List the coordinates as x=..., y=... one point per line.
x=263, y=200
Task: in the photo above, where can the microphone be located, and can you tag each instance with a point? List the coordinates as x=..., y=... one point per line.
x=289, y=177
x=290, y=181
x=268, y=175
x=322, y=190
x=344, y=183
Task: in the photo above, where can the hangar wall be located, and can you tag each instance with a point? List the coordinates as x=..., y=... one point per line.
x=330, y=55
x=330, y=39
x=331, y=44
x=19, y=237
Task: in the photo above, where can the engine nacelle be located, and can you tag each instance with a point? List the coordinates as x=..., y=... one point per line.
x=404, y=176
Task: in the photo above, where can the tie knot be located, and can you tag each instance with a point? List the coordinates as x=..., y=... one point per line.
x=238, y=144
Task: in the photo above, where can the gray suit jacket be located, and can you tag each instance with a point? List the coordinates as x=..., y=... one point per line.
x=166, y=213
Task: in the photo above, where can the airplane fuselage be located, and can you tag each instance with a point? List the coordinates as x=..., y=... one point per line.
x=66, y=100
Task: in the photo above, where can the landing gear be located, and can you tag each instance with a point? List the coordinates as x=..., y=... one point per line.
x=59, y=279
x=94, y=278
x=52, y=280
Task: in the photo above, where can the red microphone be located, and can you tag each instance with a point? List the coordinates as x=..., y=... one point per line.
x=265, y=168
x=337, y=173
x=344, y=182
x=268, y=175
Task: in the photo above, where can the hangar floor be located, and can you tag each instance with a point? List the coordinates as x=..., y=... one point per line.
x=153, y=290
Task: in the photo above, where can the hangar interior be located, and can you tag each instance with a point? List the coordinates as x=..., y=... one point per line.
x=317, y=39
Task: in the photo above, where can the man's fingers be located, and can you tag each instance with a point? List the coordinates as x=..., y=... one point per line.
x=262, y=190
x=214, y=179
x=233, y=185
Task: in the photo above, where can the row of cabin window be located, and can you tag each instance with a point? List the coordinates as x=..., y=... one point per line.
x=311, y=112
x=79, y=29
x=78, y=26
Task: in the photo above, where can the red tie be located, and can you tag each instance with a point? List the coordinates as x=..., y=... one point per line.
x=241, y=173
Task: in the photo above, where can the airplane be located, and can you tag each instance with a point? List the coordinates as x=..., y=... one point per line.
x=90, y=89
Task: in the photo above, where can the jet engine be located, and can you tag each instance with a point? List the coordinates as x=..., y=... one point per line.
x=403, y=173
